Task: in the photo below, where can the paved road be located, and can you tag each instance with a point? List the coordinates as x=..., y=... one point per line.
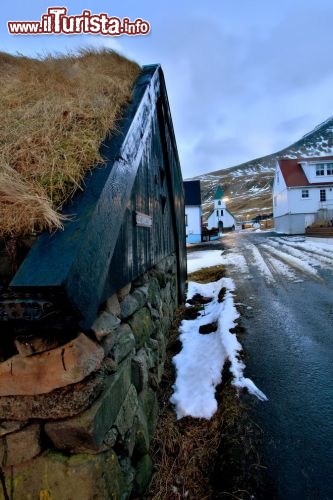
x=284, y=287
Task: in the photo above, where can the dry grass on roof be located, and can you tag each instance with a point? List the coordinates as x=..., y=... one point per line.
x=55, y=112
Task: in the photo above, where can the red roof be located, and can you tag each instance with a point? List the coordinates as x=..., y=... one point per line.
x=293, y=173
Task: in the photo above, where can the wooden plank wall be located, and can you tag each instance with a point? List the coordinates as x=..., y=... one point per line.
x=101, y=248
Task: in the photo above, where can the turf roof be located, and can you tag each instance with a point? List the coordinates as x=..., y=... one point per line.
x=55, y=112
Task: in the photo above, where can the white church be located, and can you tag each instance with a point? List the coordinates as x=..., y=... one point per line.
x=220, y=218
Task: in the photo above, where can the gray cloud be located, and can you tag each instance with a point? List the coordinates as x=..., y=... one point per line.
x=250, y=95
x=297, y=52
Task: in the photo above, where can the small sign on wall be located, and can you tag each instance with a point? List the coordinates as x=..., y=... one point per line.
x=143, y=220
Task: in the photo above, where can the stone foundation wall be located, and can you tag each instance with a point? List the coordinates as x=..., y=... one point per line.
x=78, y=419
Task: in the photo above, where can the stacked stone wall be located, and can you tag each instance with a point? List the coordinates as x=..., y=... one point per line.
x=77, y=420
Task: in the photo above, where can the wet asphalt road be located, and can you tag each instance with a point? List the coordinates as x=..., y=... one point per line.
x=287, y=311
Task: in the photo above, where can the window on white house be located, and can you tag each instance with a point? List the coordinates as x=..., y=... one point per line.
x=305, y=193
x=323, y=195
x=217, y=212
x=185, y=219
x=320, y=169
x=221, y=213
x=329, y=168
x=219, y=202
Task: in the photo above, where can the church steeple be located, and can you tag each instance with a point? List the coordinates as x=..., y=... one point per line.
x=218, y=198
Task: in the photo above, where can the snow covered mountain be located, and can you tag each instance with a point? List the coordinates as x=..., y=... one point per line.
x=249, y=185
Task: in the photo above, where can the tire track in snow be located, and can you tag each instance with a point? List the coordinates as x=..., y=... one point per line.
x=283, y=270
x=294, y=262
x=260, y=263
x=279, y=261
x=319, y=256
x=272, y=269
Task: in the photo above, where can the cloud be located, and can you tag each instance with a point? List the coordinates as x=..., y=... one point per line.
x=297, y=53
x=251, y=94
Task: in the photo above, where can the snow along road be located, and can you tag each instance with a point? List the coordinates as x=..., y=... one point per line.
x=284, y=291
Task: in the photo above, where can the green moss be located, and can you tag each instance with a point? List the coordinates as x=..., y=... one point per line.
x=142, y=326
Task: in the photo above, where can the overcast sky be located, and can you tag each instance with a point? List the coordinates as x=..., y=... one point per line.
x=245, y=78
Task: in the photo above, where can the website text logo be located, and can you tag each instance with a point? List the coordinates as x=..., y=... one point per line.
x=57, y=22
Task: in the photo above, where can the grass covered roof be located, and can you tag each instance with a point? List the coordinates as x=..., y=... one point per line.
x=55, y=112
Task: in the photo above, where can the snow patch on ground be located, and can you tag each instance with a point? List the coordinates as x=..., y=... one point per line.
x=236, y=260
x=199, y=260
x=323, y=243
x=200, y=362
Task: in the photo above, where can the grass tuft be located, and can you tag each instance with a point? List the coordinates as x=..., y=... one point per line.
x=208, y=274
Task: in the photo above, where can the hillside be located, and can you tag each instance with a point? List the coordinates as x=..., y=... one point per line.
x=249, y=185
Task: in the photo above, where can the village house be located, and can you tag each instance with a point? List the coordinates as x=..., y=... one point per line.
x=193, y=211
x=220, y=217
x=302, y=193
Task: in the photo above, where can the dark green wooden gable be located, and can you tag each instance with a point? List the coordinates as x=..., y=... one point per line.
x=102, y=247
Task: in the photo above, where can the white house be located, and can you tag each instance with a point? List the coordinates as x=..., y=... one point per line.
x=302, y=193
x=220, y=217
x=193, y=212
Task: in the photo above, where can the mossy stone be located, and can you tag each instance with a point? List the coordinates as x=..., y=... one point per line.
x=154, y=294
x=56, y=476
x=142, y=326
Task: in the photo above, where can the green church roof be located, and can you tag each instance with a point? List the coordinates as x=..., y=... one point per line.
x=219, y=193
